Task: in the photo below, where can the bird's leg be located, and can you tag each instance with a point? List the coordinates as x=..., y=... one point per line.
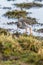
x=26, y=30
x=30, y=30
x=17, y=28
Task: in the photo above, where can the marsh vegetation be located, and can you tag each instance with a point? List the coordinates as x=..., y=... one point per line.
x=28, y=5
x=20, y=49
x=17, y=48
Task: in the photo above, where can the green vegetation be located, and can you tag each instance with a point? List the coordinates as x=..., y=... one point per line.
x=19, y=49
x=16, y=14
x=28, y=5
x=40, y=30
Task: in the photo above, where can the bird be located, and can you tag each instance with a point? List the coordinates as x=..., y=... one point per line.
x=24, y=25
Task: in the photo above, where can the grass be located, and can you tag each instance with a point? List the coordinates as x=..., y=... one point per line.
x=16, y=14
x=20, y=50
x=28, y=5
x=40, y=30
